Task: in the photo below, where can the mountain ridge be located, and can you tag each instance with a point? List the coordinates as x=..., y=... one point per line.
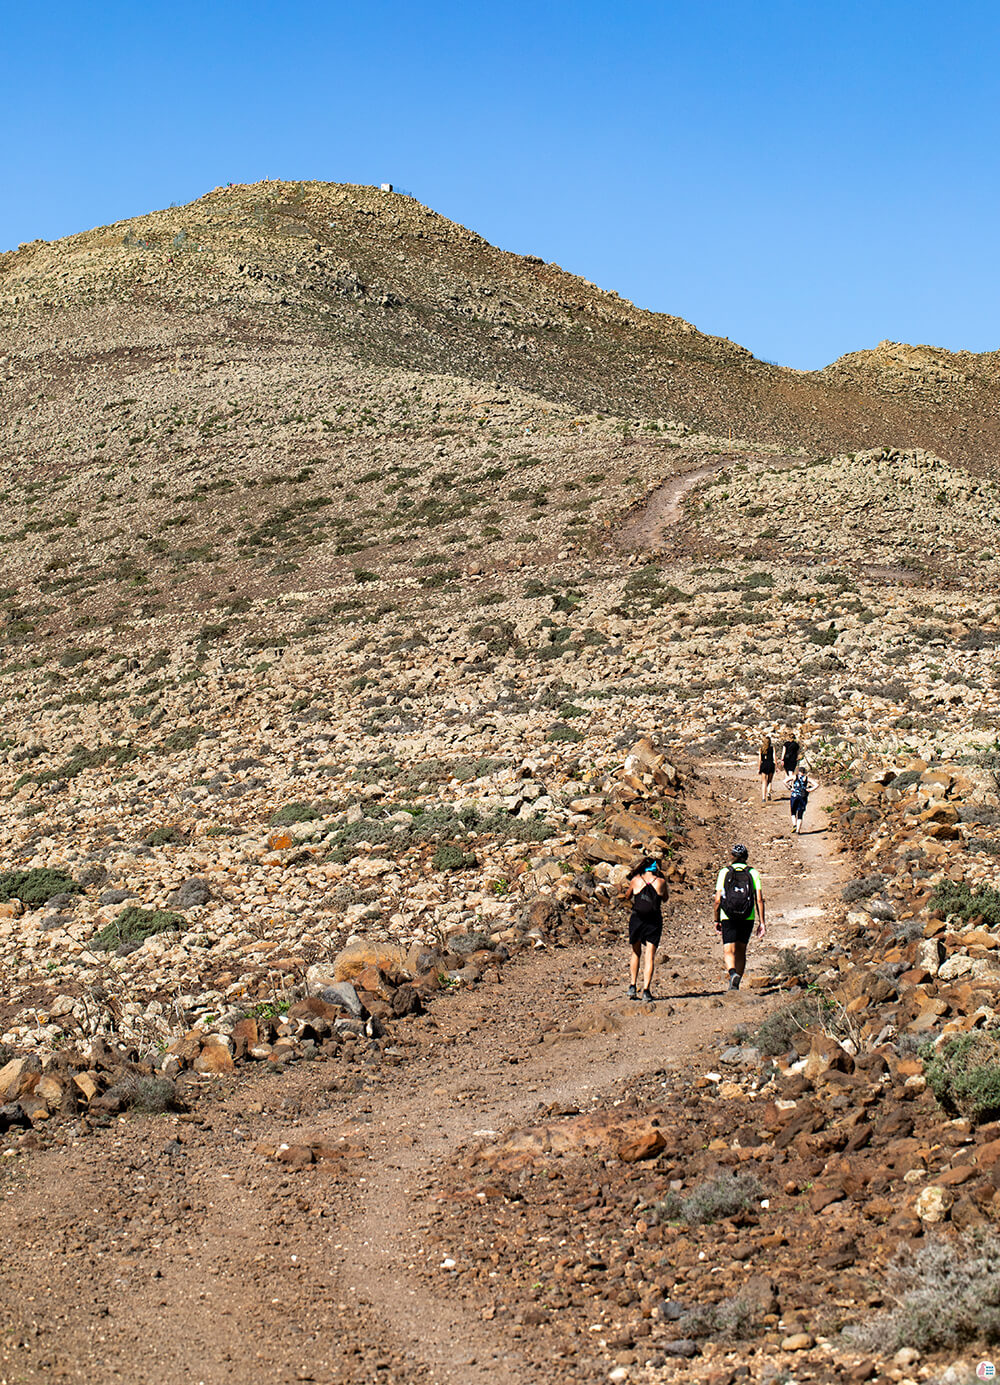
x=402, y=286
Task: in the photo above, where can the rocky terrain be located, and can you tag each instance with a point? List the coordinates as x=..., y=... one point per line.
x=371, y=599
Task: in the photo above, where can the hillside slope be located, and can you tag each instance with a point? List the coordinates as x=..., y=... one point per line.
x=319, y=267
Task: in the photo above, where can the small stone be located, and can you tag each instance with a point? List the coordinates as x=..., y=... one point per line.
x=798, y=1341
x=933, y=1204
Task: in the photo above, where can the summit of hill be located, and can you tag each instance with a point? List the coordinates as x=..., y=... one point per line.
x=330, y=267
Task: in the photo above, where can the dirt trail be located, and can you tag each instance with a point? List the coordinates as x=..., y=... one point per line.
x=168, y=1250
x=646, y=526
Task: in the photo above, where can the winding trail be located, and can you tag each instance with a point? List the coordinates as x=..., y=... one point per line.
x=166, y=1249
x=648, y=524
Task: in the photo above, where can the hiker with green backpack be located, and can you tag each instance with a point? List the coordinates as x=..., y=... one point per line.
x=739, y=904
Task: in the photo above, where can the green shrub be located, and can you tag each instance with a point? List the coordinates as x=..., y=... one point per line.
x=863, y=888
x=184, y=738
x=134, y=925
x=725, y=1195
x=294, y=812
x=949, y=898
x=164, y=836
x=452, y=857
x=964, y=1074
x=947, y=1295
x=564, y=733
x=34, y=887
x=778, y=1032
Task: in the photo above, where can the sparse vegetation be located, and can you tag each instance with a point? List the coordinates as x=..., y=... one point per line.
x=964, y=1074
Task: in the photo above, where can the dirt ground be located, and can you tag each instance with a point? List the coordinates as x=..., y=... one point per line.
x=168, y=1249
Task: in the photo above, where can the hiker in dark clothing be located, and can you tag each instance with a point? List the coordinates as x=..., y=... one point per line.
x=800, y=786
x=789, y=754
x=739, y=903
x=765, y=768
x=645, y=889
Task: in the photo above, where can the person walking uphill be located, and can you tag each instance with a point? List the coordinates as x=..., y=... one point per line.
x=800, y=786
x=739, y=903
x=765, y=768
x=645, y=889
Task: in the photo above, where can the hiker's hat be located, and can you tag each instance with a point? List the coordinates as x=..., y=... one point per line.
x=740, y=852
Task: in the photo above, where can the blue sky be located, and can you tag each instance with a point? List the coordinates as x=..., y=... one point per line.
x=806, y=178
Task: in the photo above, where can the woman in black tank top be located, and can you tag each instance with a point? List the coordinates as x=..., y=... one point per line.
x=645, y=890
x=765, y=768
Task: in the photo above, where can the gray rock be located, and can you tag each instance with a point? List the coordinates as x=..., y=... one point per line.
x=345, y=996
x=684, y=1346
x=464, y=943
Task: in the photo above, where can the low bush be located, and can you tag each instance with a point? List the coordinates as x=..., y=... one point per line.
x=452, y=857
x=725, y=1195
x=165, y=836
x=293, y=812
x=967, y=903
x=733, y=1319
x=790, y=961
x=964, y=1074
x=778, y=1032
x=563, y=733
x=947, y=1295
x=863, y=888
x=134, y=925
x=34, y=887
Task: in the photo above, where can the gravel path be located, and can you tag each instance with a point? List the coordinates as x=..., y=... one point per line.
x=168, y=1249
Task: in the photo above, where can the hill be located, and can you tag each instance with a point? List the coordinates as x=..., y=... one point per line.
x=391, y=283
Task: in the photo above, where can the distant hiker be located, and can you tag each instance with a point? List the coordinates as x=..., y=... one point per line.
x=645, y=889
x=800, y=786
x=739, y=903
x=789, y=754
x=765, y=768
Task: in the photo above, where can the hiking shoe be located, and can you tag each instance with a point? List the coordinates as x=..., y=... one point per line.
x=648, y=995
x=734, y=980
x=632, y=993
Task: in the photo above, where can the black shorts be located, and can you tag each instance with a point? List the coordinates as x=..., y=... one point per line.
x=642, y=930
x=737, y=930
x=798, y=806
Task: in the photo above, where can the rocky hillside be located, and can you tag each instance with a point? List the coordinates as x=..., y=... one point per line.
x=371, y=598
x=315, y=273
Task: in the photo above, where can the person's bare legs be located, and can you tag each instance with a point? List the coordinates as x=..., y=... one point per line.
x=648, y=959
x=735, y=955
x=763, y=788
x=768, y=779
x=633, y=963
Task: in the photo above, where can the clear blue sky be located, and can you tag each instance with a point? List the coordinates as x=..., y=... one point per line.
x=806, y=177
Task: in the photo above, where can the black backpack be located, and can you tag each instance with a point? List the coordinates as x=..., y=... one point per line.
x=738, y=894
x=646, y=904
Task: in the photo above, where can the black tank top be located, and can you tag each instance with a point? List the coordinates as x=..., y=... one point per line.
x=647, y=905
